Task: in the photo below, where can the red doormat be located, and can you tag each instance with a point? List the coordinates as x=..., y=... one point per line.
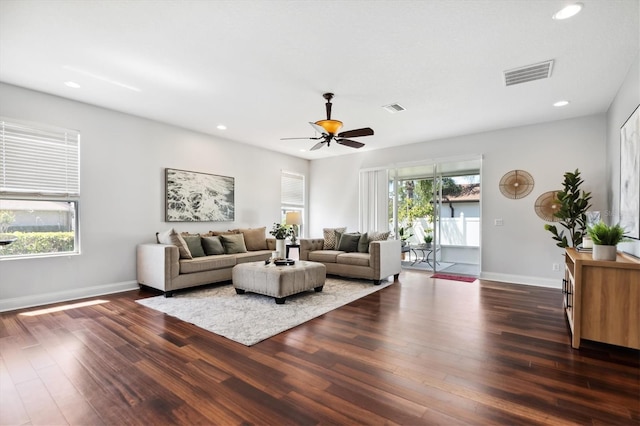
x=454, y=277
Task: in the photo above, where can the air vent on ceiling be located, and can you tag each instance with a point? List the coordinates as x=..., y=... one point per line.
x=528, y=73
x=393, y=108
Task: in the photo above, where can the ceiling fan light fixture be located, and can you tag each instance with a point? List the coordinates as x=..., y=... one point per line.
x=331, y=126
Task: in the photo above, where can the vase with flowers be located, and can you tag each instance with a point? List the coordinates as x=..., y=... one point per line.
x=281, y=232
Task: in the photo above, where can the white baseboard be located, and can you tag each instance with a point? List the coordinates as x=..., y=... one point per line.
x=521, y=279
x=64, y=296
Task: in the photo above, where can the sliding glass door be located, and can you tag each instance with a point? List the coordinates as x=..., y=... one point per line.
x=435, y=209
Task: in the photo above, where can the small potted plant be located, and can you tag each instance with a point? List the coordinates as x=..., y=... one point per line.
x=405, y=233
x=605, y=239
x=428, y=239
x=281, y=232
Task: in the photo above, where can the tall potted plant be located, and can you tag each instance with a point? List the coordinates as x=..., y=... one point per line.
x=573, y=205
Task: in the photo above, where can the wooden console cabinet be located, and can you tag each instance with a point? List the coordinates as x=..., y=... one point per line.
x=602, y=298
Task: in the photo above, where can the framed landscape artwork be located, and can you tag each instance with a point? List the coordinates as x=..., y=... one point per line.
x=630, y=175
x=199, y=197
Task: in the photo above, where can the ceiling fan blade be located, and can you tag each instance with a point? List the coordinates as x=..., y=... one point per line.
x=366, y=131
x=314, y=139
x=349, y=142
x=318, y=145
x=318, y=128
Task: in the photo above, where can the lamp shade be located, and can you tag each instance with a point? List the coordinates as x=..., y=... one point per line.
x=331, y=126
x=293, y=218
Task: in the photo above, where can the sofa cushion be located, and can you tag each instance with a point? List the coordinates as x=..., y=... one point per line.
x=324, y=256
x=356, y=259
x=330, y=237
x=253, y=256
x=255, y=238
x=195, y=245
x=363, y=243
x=212, y=245
x=233, y=243
x=349, y=242
x=172, y=237
x=206, y=263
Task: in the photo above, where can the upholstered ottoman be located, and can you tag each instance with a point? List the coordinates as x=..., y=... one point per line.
x=278, y=281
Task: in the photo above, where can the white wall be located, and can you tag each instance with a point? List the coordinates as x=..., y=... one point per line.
x=521, y=251
x=123, y=158
x=627, y=99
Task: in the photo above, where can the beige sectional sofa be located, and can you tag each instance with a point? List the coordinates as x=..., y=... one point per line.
x=375, y=260
x=170, y=267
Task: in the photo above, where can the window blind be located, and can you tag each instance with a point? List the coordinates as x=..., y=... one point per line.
x=38, y=160
x=292, y=189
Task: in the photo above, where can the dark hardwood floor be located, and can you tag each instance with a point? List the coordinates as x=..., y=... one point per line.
x=418, y=352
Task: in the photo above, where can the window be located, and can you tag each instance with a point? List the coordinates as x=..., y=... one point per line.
x=39, y=189
x=292, y=195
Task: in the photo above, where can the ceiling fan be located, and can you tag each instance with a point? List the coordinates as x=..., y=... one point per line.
x=328, y=130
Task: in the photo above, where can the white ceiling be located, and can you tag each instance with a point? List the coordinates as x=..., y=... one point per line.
x=261, y=67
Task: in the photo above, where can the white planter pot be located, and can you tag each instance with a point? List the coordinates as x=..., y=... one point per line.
x=601, y=252
x=280, y=247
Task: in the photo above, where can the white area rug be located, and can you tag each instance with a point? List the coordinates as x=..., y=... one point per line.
x=250, y=318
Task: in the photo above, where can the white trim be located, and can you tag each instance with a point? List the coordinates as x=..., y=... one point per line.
x=64, y=296
x=521, y=279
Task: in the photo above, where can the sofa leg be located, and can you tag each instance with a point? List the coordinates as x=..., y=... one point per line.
x=318, y=289
x=280, y=300
x=377, y=282
x=239, y=291
x=168, y=294
x=396, y=276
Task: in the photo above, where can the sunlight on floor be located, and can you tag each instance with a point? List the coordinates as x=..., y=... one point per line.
x=64, y=307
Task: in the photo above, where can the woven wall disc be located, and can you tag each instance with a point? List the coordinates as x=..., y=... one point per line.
x=516, y=184
x=546, y=205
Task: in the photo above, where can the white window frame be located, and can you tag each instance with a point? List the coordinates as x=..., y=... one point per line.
x=40, y=163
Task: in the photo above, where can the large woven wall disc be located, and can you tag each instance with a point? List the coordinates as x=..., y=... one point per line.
x=516, y=184
x=546, y=205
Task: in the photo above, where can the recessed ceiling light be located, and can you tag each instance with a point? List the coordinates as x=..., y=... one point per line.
x=568, y=11
x=221, y=127
x=561, y=104
x=72, y=84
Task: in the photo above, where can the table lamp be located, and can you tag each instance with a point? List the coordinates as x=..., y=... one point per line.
x=294, y=219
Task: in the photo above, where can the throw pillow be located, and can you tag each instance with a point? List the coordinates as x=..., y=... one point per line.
x=195, y=245
x=379, y=236
x=349, y=242
x=212, y=245
x=172, y=237
x=363, y=243
x=218, y=233
x=330, y=237
x=255, y=238
x=233, y=243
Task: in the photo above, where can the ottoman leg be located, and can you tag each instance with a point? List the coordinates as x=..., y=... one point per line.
x=318, y=289
x=280, y=300
x=239, y=291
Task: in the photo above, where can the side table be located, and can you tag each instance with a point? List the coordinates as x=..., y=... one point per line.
x=292, y=246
